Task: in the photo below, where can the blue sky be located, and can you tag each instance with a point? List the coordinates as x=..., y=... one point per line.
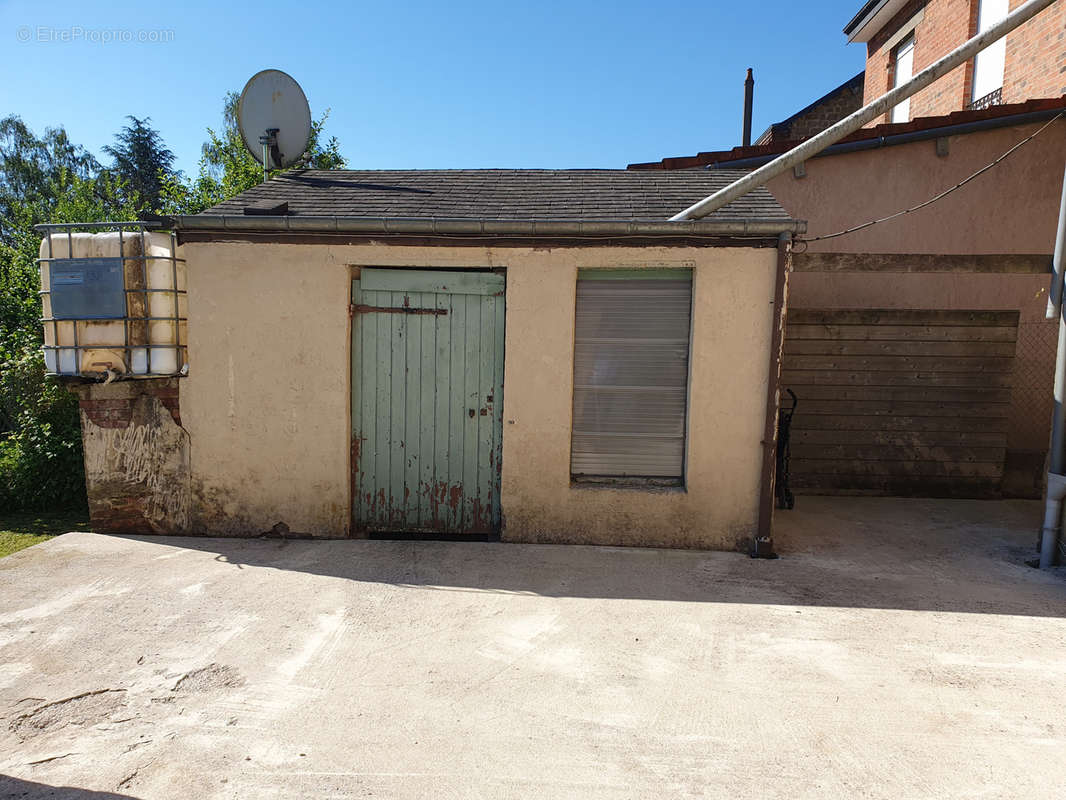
x=432, y=84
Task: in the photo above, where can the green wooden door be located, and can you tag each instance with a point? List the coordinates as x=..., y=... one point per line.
x=427, y=401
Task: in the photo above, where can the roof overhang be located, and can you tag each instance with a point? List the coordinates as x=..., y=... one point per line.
x=719, y=227
x=872, y=17
x=956, y=123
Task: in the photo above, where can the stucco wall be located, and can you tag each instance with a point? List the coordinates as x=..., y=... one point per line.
x=266, y=403
x=1012, y=208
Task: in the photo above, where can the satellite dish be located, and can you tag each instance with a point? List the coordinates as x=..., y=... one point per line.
x=274, y=119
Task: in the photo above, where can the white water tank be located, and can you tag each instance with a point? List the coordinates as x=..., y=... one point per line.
x=113, y=303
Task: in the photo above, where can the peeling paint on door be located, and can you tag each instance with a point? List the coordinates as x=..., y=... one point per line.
x=427, y=410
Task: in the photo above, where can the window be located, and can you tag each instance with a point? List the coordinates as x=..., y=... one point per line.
x=631, y=374
x=989, y=63
x=902, y=72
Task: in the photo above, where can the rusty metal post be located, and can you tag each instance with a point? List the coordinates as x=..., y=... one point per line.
x=763, y=546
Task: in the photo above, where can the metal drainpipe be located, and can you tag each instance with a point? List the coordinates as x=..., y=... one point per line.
x=763, y=546
x=1056, y=480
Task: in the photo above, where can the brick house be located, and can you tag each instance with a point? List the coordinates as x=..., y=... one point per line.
x=832, y=107
x=904, y=37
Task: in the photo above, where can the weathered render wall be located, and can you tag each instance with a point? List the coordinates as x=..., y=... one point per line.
x=266, y=404
x=1012, y=208
x=136, y=456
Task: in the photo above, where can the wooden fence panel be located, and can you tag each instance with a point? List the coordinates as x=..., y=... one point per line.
x=899, y=401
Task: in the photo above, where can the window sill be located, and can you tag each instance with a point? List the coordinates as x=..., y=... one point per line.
x=656, y=485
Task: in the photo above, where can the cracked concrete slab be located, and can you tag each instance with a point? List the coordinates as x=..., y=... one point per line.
x=899, y=648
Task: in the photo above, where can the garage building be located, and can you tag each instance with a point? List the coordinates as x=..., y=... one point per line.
x=530, y=354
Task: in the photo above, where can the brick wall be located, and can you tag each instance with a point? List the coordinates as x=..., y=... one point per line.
x=1035, y=62
x=945, y=25
x=1036, y=56
x=879, y=60
x=833, y=109
x=117, y=412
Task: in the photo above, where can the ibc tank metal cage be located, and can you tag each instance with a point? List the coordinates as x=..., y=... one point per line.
x=136, y=318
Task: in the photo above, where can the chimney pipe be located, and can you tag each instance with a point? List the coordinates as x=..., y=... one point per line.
x=749, y=88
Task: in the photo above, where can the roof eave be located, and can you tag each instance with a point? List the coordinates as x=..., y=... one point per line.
x=741, y=159
x=526, y=228
x=872, y=17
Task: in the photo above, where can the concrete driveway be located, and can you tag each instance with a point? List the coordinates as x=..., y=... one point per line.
x=898, y=649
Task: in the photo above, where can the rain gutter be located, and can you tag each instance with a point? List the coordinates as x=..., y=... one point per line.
x=561, y=228
x=874, y=143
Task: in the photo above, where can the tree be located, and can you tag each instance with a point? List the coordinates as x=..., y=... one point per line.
x=142, y=161
x=49, y=179
x=28, y=167
x=42, y=180
x=227, y=168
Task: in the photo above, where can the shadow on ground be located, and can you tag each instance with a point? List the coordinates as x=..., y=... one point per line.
x=11, y=788
x=930, y=555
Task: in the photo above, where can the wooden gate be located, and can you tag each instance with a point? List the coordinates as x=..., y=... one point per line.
x=899, y=402
x=427, y=401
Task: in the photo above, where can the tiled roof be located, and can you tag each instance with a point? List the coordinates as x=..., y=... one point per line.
x=498, y=194
x=876, y=132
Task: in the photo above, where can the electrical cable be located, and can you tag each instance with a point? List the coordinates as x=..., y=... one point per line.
x=940, y=196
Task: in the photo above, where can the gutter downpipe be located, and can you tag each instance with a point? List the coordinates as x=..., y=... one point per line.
x=856, y=120
x=1056, y=480
x=763, y=545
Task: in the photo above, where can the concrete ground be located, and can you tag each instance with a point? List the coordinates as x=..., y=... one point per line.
x=898, y=649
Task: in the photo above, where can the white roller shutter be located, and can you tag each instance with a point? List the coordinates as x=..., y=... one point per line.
x=631, y=373
x=988, y=65
x=903, y=72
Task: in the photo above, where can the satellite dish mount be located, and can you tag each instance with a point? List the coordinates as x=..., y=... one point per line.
x=271, y=153
x=273, y=114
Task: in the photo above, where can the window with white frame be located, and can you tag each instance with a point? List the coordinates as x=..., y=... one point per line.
x=988, y=65
x=631, y=357
x=902, y=71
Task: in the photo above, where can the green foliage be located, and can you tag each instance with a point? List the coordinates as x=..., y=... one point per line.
x=41, y=458
x=29, y=165
x=143, y=163
x=20, y=529
x=227, y=168
x=49, y=180
x=41, y=181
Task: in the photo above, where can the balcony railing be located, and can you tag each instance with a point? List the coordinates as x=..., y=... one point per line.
x=993, y=98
